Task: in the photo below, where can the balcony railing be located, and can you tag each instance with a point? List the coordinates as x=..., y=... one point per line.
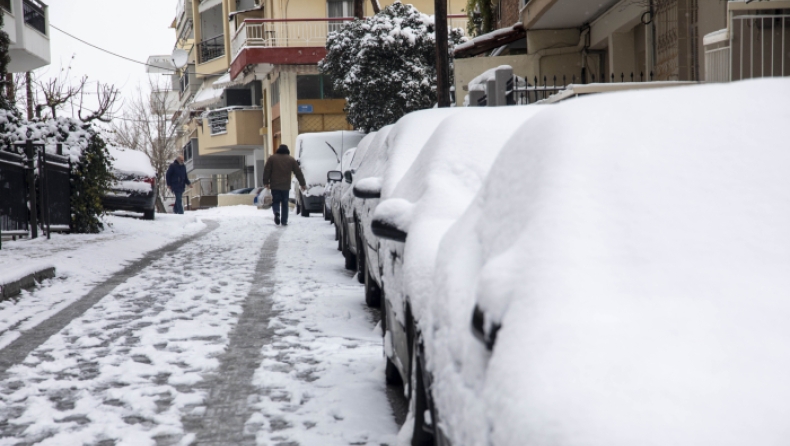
x=211, y=49
x=269, y=33
x=272, y=33
x=35, y=15
x=218, y=122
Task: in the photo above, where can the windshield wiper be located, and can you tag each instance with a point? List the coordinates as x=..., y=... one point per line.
x=337, y=157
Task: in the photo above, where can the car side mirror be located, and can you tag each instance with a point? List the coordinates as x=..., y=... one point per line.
x=386, y=230
x=334, y=175
x=479, y=328
x=349, y=176
x=368, y=188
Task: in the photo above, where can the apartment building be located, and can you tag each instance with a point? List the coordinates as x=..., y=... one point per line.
x=252, y=82
x=27, y=25
x=564, y=41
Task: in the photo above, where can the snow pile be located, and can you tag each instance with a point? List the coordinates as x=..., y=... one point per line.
x=71, y=133
x=131, y=162
x=641, y=282
x=139, y=187
x=318, y=153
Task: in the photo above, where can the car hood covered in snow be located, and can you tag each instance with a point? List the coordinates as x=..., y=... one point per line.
x=640, y=275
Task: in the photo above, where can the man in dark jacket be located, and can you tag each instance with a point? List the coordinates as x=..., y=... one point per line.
x=277, y=177
x=177, y=181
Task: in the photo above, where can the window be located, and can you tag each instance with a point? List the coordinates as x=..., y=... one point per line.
x=6, y=4
x=339, y=8
x=276, y=92
x=315, y=86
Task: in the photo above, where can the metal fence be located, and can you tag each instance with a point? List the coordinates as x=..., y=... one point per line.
x=31, y=179
x=211, y=49
x=14, y=216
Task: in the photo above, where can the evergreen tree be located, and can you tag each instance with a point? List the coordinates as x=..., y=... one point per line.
x=385, y=65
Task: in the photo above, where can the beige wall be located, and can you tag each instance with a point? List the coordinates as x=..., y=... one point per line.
x=244, y=128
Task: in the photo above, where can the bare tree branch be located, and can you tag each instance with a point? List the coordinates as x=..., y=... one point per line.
x=107, y=96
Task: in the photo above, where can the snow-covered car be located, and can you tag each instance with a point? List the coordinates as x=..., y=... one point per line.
x=134, y=188
x=609, y=288
x=347, y=236
x=435, y=191
x=317, y=154
x=333, y=179
x=387, y=160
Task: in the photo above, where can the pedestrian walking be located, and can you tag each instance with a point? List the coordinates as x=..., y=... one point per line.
x=277, y=178
x=177, y=181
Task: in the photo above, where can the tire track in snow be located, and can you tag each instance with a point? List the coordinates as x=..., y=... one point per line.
x=230, y=387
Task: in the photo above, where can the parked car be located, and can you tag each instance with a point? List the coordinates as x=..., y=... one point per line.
x=333, y=185
x=386, y=162
x=242, y=191
x=435, y=191
x=135, y=187
x=607, y=288
x=348, y=238
x=317, y=154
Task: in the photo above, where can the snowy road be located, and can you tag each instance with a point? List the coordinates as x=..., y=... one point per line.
x=248, y=334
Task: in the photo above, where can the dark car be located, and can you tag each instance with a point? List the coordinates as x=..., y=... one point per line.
x=135, y=186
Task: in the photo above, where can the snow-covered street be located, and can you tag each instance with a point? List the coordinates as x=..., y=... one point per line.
x=248, y=333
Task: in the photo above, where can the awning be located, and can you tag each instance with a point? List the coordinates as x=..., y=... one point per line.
x=225, y=82
x=206, y=96
x=488, y=42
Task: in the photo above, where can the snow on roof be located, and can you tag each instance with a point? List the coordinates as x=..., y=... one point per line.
x=131, y=161
x=491, y=40
x=639, y=264
x=207, y=95
x=225, y=81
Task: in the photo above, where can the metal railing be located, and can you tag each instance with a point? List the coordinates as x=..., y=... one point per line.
x=268, y=33
x=211, y=49
x=35, y=15
x=13, y=201
x=717, y=65
x=759, y=45
x=183, y=84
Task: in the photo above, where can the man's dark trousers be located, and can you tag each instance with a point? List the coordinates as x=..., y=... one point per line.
x=280, y=204
x=179, y=206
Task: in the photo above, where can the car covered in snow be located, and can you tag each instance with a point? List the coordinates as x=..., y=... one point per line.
x=611, y=288
x=434, y=192
x=341, y=203
x=134, y=188
x=388, y=158
x=317, y=154
x=334, y=184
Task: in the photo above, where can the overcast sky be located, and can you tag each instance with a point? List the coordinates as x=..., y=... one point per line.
x=135, y=29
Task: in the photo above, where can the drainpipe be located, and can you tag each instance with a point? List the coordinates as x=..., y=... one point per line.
x=581, y=46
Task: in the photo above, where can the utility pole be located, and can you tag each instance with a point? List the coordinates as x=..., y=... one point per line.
x=442, y=55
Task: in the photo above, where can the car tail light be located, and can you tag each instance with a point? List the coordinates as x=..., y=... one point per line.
x=150, y=181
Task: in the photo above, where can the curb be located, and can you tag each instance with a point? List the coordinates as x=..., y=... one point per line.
x=14, y=287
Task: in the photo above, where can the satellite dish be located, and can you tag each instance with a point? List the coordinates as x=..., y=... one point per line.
x=180, y=58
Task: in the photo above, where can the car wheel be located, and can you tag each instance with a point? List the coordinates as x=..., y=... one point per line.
x=418, y=403
x=351, y=259
x=372, y=291
x=305, y=212
x=298, y=206
x=362, y=266
x=149, y=215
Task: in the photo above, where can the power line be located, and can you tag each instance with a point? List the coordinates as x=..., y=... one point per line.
x=120, y=56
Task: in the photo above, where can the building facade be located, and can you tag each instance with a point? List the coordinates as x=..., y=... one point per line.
x=249, y=81
x=27, y=25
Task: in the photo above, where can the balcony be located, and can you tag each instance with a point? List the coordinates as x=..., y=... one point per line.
x=27, y=25
x=231, y=131
x=211, y=49
x=281, y=41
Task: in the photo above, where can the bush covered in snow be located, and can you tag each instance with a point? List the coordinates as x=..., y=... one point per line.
x=91, y=173
x=385, y=65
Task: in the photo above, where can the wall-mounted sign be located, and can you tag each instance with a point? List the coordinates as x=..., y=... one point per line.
x=307, y=108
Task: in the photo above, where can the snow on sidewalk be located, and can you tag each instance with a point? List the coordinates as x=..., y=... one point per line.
x=322, y=378
x=138, y=366
x=81, y=260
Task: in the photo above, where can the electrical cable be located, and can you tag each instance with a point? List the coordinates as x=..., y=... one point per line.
x=124, y=57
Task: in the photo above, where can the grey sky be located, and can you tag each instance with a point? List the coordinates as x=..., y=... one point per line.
x=135, y=29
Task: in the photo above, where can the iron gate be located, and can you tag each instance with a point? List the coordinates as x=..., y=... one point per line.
x=13, y=193
x=55, y=191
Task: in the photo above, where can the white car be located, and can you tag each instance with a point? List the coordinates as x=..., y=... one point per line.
x=614, y=283
x=317, y=154
x=437, y=189
x=386, y=162
x=335, y=185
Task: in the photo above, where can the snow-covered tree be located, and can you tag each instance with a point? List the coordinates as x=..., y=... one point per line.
x=385, y=65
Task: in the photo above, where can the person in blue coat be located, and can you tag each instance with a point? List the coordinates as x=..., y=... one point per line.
x=177, y=181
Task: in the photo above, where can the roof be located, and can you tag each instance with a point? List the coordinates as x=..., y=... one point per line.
x=487, y=42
